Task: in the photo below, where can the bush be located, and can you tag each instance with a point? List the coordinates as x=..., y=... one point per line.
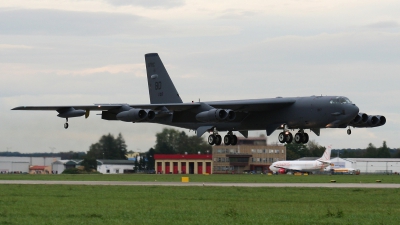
x=79, y=171
x=72, y=171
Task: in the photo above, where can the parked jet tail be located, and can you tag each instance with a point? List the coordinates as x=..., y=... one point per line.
x=326, y=157
x=161, y=88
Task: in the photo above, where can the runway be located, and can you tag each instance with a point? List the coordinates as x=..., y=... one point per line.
x=207, y=184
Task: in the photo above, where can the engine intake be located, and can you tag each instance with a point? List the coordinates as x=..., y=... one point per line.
x=132, y=115
x=373, y=121
x=213, y=115
x=382, y=120
x=151, y=115
x=231, y=115
x=369, y=121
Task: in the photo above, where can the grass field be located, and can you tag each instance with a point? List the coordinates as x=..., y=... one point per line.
x=66, y=204
x=238, y=178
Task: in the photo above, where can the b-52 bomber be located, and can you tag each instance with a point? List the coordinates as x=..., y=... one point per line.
x=270, y=114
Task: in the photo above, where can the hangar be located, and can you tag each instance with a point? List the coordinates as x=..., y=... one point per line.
x=367, y=165
x=108, y=166
x=15, y=164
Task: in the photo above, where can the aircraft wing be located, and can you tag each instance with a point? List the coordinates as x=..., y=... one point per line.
x=237, y=105
x=95, y=107
x=253, y=105
x=101, y=107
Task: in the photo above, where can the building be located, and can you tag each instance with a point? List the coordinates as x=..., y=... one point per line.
x=40, y=170
x=365, y=165
x=108, y=166
x=250, y=154
x=183, y=163
x=59, y=166
x=15, y=164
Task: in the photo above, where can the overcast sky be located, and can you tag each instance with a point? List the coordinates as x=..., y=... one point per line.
x=92, y=51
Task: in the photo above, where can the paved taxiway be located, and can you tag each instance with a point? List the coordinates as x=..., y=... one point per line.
x=155, y=183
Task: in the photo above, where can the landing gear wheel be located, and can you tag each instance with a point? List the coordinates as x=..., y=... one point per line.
x=234, y=140
x=305, y=138
x=289, y=138
x=66, y=125
x=227, y=139
x=282, y=137
x=348, y=131
x=298, y=138
x=218, y=139
x=211, y=139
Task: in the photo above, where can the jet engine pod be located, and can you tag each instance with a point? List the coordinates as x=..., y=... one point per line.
x=213, y=115
x=356, y=120
x=364, y=117
x=231, y=115
x=151, y=115
x=382, y=120
x=373, y=121
x=70, y=112
x=132, y=115
x=281, y=171
x=362, y=121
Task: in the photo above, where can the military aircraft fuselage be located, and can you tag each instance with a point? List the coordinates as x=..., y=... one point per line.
x=304, y=113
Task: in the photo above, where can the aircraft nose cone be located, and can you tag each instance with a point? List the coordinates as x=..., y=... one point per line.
x=354, y=110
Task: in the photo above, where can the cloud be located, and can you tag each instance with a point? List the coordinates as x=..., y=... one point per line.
x=8, y=46
x=44, y=22
x=58, y=22
x=237, y=14
x=136, y=69
x=384, y=24
x=148, y=3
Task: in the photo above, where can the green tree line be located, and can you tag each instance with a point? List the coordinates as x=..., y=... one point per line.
x=313, y=149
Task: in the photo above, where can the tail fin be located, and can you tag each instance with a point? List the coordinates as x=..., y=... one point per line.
x=327, y=155
x=161, y=88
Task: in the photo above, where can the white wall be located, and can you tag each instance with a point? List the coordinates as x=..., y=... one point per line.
x=10, y=166
x=374, y=167
x=113, y=168
x=57, y=168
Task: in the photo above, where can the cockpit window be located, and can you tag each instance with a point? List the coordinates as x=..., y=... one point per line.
x=340, y=100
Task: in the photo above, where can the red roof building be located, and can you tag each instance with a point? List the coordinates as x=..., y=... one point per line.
x=183, y=163
x=39, y=169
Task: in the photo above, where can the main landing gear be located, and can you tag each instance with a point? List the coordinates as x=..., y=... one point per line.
x=287, y=137
x=216, y=139
x=66, y=124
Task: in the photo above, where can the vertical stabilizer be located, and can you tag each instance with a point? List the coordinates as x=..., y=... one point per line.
x=327, y=155
x=161, y=88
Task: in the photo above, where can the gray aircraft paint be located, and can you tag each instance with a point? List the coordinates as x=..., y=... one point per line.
x=314, y=112
x=161, y=88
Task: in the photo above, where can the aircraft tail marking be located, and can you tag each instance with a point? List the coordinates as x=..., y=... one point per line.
x=161, y=88
x=326, y=157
